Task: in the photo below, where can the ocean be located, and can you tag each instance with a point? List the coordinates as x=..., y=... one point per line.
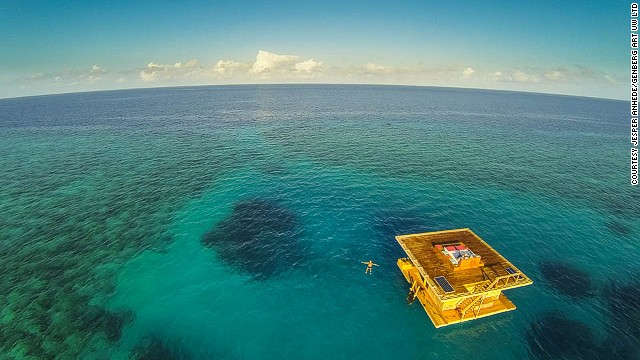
x=230, y=222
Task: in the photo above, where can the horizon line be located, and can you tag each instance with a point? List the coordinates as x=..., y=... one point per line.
x=316, y=84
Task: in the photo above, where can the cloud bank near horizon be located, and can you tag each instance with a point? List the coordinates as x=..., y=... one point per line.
x=269, y=67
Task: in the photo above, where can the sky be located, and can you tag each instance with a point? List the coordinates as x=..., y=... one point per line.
x=560, y=47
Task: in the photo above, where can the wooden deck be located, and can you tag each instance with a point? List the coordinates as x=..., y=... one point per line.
x=421, y=250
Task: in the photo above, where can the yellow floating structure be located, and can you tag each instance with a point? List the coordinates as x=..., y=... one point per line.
x=457, y=276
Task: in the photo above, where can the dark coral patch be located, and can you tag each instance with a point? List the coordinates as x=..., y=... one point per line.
x=624, y=304
x=554, y=336
x=566, y=279
x=261, y=238
x=618, y=228
x=621, y=346
x=154, y=348
x=114, y=323
x=94, y=318
x=623, y=301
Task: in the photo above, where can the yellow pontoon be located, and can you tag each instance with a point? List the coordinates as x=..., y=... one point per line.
x=457, y=276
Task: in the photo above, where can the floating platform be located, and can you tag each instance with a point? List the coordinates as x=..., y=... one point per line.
x=457, y=276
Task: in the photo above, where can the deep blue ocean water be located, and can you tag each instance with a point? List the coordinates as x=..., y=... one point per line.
x=230, y=222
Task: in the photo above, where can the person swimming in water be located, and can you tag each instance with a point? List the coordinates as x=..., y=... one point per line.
x=370, y=266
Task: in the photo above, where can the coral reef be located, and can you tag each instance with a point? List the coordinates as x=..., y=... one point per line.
x=618, y=228
x=566, y=279
x=261, y=238
x=70, y=218
x=554, y=336
x=623, y=302
x=156, y=348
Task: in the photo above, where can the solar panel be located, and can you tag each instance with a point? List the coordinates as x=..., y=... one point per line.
x=444, y=284
x=511, y=272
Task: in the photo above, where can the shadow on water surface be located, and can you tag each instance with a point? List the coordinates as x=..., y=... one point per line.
x=566, y=279
x=619, y=228
x=554, y=336
x=623, y=302
x=261, y=237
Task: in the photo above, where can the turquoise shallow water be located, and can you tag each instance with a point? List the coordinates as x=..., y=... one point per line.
x=107, y=198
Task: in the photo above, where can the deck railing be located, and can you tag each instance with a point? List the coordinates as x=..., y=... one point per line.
x=499, y=282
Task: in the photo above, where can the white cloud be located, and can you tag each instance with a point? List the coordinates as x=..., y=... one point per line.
x=97, y=69
x=466, y=73
x=152, y=71
x=556, y=75
x=189, y=64
x=277, y=67
x=308, y=67
x=524, y=77
x=176, y=71
x=272, y=67
x=229, y=67
x=552, y=76
x=378, y=69
x=270, y=62
x=414, y=74
x=74, y=76
x=584, y=72
x=71, y=79
x=95, y=75
x=267, y=66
